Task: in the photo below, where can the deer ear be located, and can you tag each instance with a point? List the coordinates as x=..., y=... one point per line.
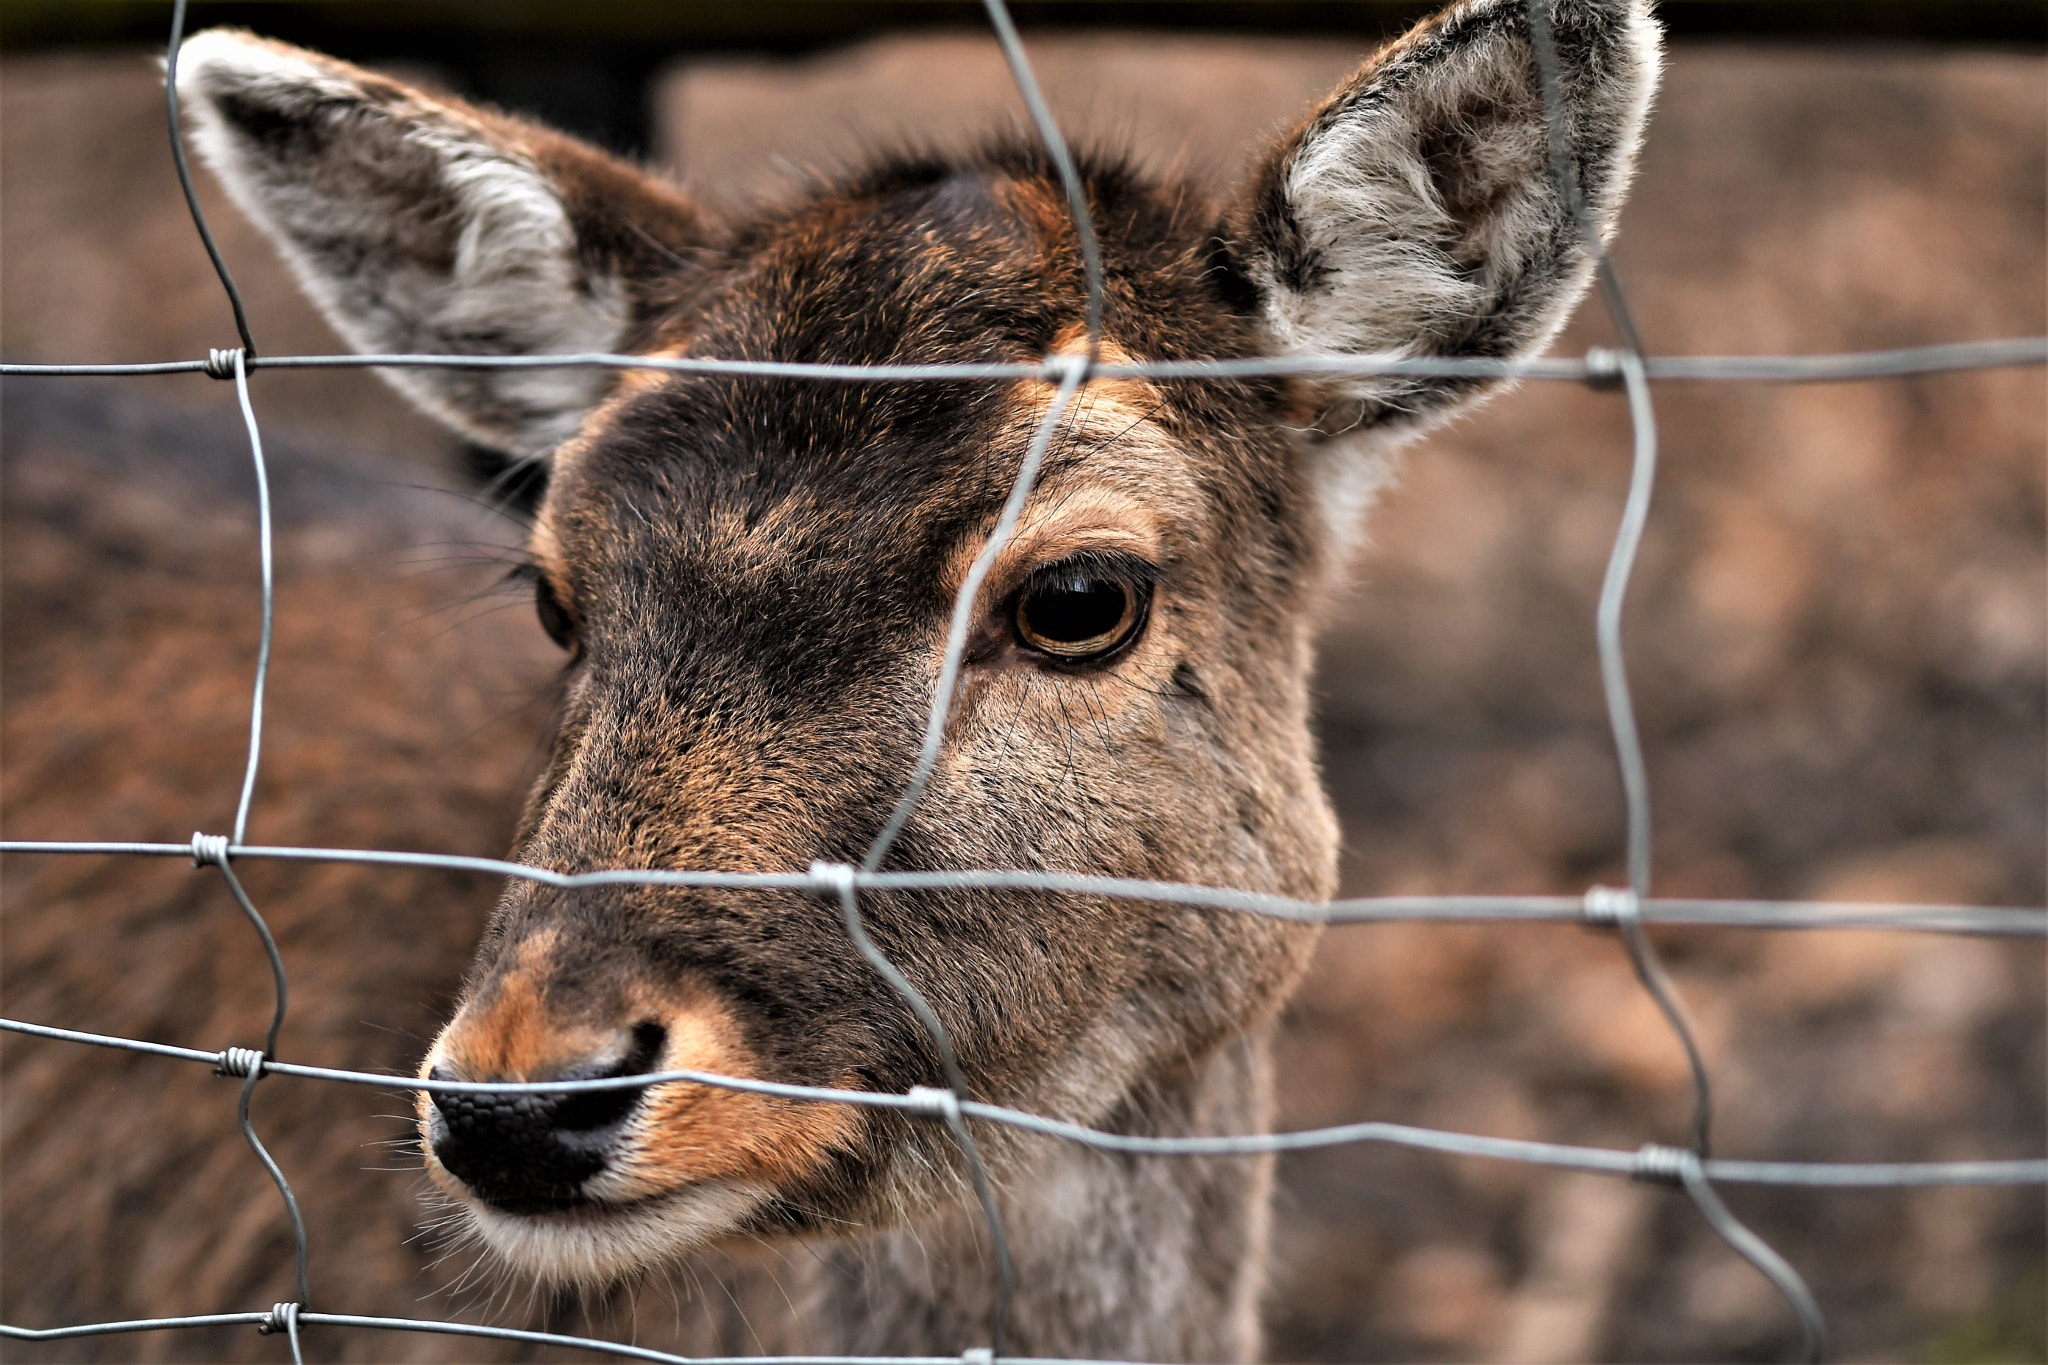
x=1415, y=213
x=421, y=224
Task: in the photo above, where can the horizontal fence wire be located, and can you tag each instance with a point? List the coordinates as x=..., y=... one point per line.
x=1598, y=368
x=1599, y=1160
x=1627, y=910
x=1592, y=908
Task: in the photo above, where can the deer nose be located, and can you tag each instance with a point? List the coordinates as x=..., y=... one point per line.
x=530, y=1151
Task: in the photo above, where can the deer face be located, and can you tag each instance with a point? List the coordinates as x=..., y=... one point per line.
x=752, y=580
x=754, y=586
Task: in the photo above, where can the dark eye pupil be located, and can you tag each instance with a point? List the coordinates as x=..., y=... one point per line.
x=1076, y=610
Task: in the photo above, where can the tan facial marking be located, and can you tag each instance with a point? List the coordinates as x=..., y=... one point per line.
x=688, y=1133
x=505, y=1034
x=633, y=382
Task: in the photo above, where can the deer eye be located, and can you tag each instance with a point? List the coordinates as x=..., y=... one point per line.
x=1082, y=611
x=554, y=617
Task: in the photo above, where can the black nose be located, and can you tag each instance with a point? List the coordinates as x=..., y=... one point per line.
x=530, y=1152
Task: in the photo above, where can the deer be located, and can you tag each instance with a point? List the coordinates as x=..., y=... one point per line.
x=750, y=580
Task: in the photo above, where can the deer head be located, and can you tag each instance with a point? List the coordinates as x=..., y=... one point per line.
x=751, y=580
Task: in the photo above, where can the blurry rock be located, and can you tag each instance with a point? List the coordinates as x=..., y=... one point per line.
x=737, y=129
x=1447, y=1293
x=1583, y=1228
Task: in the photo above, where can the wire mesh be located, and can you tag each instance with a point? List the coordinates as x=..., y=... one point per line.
x=1626, y=910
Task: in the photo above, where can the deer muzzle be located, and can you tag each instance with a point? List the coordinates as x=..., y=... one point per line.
x=574, y=1185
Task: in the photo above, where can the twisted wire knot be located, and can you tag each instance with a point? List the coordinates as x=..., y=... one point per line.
x=220, y=364
x=933, y=1102
x=977, y=1355
x=1604, y=368
x=1061, y=364
x=831, y=879
x=239, y=1061
x=209, y=850
x=1608, y=906
x=282, y=1317
x=1657, y=1165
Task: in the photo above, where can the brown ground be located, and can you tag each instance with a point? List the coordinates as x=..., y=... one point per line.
x=1837, y=640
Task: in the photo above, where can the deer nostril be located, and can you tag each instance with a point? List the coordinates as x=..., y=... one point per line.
x=531, y=1151
x=586, y=1110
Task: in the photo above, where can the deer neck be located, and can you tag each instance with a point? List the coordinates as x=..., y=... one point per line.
x=1154, y=1258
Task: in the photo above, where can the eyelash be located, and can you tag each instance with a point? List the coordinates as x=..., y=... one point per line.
x=554, y=617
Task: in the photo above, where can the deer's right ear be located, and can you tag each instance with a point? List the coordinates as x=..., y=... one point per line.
x=1415, y=212
x=421, y=224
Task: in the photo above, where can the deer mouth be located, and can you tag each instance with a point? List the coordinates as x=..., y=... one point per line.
x=592, y=1243
x=631, y=1211
x=572, y=1209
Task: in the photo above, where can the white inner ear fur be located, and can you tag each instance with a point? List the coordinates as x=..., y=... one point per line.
x=1349, y=474
x=1368, y=208
x=349, y=221
x=1363, y=196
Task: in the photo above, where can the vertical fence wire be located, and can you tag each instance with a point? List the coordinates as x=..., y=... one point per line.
x=1649, y=967
x=241, y=834
x=214, y=851
x=220, y=266
x=1075, y=373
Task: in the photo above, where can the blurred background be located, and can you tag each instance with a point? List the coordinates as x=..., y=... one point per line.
x=1838, y=637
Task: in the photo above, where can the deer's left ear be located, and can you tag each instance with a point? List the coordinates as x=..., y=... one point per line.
x=1415, y=213
x=420, y=223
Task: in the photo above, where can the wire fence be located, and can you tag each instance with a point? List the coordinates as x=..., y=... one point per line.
x=1626, y=910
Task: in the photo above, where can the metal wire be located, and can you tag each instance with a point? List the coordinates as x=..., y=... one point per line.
x=1986, y=921
x=962, y=619
x=1062, y=160
x=285, y=1317
x=241, y=359
x=255, y=918
x=837, y=880
x=1628, y=745
x=1813, y=1326
x=220, y=266
x=1635, y=781
x=466, y=1329
x=1626, y=911
x=252, y=1067
x=284, y=1186
x=1551, y=75
x=1596, y=1160
x=1836, y=368
x=943, y=693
